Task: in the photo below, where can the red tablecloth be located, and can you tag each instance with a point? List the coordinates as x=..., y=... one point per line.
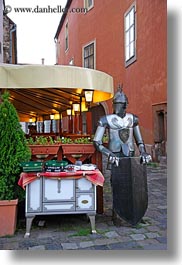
x=94, y=176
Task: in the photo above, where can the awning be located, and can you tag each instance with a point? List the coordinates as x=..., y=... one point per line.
x=43, y=89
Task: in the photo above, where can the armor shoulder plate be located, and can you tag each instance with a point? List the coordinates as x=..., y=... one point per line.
x=103, y=121
x=135, y=120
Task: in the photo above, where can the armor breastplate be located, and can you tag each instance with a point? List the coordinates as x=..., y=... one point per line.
x=121, y=133
x=116, y=122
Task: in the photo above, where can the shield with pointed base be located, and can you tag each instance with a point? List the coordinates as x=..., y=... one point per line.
x=129, y=187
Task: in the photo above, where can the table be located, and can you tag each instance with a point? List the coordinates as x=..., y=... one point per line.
x=51, y=193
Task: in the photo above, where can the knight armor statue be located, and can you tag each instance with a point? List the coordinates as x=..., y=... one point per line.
x=128, y=173
x=123, y=128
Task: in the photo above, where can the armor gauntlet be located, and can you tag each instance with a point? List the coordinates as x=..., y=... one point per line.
x=112, y=159
x=144, y=156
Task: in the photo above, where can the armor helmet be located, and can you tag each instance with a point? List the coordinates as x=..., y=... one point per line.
x=120, y=97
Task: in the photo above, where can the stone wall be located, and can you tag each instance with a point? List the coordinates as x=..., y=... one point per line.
x=1, y=31
x=9, y=40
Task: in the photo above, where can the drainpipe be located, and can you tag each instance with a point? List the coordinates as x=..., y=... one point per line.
x=1, y=32
x=13, y=29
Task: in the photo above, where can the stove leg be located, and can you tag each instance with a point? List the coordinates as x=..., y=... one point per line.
x=92, y=221
x=29, y=220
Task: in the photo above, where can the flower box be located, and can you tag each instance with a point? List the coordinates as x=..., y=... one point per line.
x=78, y=148
x=44, y=149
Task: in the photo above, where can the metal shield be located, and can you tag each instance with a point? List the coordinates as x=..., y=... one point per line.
x=129, y=188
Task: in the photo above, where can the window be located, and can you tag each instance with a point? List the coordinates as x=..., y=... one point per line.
x=66, y=37
x=88, y=4
x=130, y=35
x=89, y=55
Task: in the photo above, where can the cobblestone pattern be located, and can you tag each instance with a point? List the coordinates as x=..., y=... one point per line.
x=68, y=232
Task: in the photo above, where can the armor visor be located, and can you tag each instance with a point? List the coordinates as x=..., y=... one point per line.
x=119, y=108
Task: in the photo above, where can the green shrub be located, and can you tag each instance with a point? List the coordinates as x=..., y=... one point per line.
x=13, y=149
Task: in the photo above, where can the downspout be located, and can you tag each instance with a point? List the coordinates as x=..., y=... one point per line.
x=1, y=30
x=11, y=44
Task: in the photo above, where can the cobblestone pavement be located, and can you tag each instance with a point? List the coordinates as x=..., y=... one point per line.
x=66, y=232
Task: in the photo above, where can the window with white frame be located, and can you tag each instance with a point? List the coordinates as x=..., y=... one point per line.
x=88, y=4
x=89, y=55
x=66, y=37
x=130, y=35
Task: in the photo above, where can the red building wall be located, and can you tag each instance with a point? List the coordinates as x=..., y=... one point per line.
x=145, y=80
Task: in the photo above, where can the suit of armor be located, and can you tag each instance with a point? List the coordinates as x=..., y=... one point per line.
x=123, y=128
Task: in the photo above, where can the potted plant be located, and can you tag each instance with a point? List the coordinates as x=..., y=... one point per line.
x=13, y=151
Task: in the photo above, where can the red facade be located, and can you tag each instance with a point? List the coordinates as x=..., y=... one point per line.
x=145, y=80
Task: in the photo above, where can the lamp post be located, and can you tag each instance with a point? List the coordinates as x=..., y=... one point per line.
x=70, y=125
x=76, y=108
x=52, y=118
x=89, y=99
